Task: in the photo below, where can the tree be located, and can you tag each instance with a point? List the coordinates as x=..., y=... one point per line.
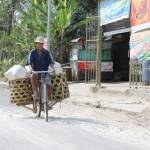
x=61, y=19
x=85, y=8
x=23, y=20
x=7, y=11
x=88, y=6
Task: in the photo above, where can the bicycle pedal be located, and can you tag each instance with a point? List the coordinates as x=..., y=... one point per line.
x=49, y=107
x=34, y=109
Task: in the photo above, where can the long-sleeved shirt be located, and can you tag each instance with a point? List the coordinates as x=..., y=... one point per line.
x=40, y=62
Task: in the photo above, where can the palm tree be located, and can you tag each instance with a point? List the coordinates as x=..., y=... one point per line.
x=61, y=20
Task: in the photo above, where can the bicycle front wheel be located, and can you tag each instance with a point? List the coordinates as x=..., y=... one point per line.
x=46, y=110
x=39, y=106
x=45, y=101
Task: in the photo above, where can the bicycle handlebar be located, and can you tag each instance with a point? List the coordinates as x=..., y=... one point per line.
x=40, y=72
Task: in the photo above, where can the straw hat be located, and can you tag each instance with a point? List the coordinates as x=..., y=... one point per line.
x=40, y=39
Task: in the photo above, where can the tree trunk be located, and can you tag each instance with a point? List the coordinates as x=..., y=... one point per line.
x=10, y=17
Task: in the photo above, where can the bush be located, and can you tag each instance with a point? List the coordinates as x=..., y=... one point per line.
x=5, y=65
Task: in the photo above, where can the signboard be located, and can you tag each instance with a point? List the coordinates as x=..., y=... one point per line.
x=114, y=10
x=74, y=54
x=106, y=66
x=140, y=15
x=90, y=65
x=140, y=45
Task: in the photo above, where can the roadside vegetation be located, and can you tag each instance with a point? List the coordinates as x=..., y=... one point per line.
x=22, y=20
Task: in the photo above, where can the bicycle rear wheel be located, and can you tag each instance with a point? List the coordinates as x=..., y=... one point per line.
x=39, y=106
x=46, y=111
x=45, y=97
x=39, y=109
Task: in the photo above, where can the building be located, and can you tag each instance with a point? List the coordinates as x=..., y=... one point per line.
x=125, y=23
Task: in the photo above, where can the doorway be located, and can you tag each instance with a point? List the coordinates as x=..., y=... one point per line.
x=120, y=56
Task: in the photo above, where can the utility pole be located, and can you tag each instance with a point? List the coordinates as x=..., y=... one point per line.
x=49, y=29
x=49, y=26
x=99, y=48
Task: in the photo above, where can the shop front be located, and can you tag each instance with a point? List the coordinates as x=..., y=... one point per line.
x=116, y=29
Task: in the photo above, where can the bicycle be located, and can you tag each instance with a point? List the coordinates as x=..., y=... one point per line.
x=42, y=94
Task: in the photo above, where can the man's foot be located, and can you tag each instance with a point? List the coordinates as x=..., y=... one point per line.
x=34, y=108
x=35, y=100
x=49, y=107
x=34, y=105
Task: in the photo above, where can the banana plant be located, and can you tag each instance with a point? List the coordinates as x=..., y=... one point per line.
x=61, y=20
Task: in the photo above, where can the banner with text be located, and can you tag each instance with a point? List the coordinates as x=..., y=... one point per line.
x=140, y=15
x=113, y=10
x=140, y=45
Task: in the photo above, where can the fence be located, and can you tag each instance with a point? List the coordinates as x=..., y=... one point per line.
x=139, y=75
x=91, y=48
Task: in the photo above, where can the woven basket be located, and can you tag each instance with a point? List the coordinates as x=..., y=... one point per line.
x=21, y=91
x=60, y=89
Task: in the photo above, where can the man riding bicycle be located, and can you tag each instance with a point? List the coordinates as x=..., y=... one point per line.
x=39, y=60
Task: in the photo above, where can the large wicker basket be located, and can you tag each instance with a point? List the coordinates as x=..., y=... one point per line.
x=21, y=91
x=60, y=87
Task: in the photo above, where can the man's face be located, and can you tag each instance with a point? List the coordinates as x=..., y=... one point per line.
x=39, y=46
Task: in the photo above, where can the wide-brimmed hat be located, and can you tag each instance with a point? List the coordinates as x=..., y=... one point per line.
x=40, y=39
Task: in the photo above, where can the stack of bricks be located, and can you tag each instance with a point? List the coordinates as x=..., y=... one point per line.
x=21, y=91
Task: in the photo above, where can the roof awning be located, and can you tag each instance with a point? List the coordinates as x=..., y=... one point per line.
x=117, y=32
x=76, y=40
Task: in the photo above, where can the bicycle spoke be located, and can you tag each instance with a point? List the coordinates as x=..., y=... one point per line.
x=43, y=104
x=46, y=110
x=40, y=101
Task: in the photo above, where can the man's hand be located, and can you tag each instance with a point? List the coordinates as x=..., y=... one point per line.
x=30, y=68
x=52, y=66
x=54, y=72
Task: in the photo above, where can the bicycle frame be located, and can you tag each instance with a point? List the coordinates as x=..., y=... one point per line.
x=43, y=99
